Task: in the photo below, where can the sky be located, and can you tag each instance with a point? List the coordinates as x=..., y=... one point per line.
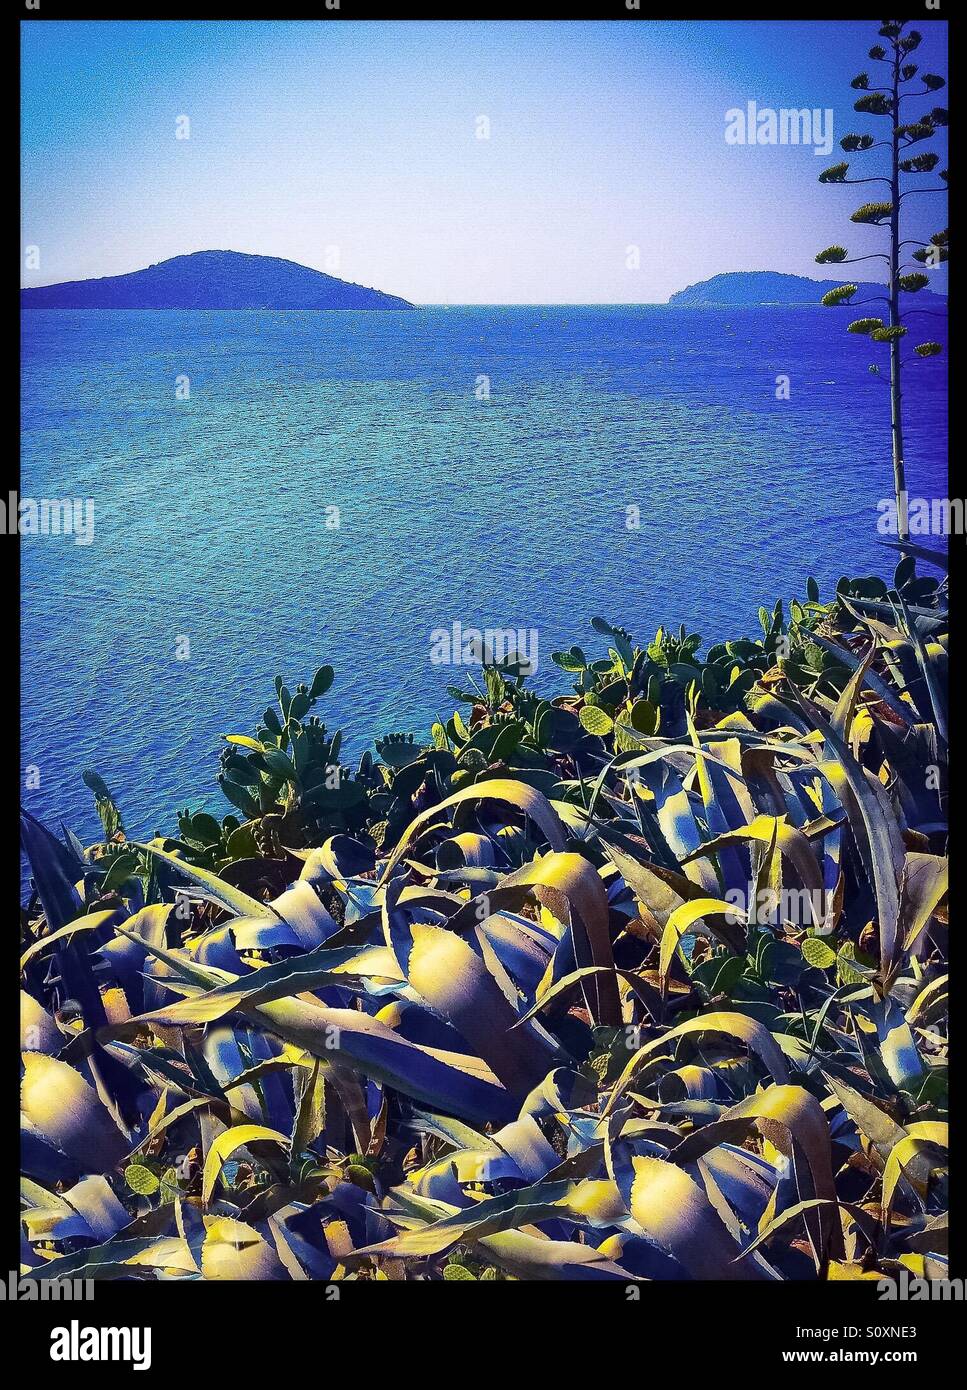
x=448, y=162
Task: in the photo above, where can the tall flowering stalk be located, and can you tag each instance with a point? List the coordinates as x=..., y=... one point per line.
x=902, y=79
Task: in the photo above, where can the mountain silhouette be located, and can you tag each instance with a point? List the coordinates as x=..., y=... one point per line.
x=751, y=288
x=213, y=280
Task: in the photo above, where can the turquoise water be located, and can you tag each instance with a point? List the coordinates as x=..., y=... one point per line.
x=210, y=512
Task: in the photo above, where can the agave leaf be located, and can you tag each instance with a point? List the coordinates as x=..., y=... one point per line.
x=726, y=800
x=454, y=1082
x=572, y=878
x=523, y=1206
x=875, y=682
x=296, y=975
x=226, y=1144
x=748, y=1031
x=101, y=1261
x=60, y=1103
x=923, y=886
x=862, y=1218
x=869, y=1118
x=650, y=888
x=235, y=1250
x=875, y=825
x=519, y=794
x=842, y=717
x=794, y=1122
x=56, y=869
x=236, y=902
x=522, y=1254
x=897, y=1053
x=931, y=675
x=455, y=982
x=571, y=889
x=931, y=1001
x=648, y=995
x=913, y=1157
x=683, y=920
x=38, y=1031
x=673, y=1211
x=79, y=924
x=790, y=842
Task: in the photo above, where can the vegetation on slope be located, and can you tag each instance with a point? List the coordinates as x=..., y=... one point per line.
x=643, y=982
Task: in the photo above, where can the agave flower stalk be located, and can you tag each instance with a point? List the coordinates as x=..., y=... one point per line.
x=887, y=102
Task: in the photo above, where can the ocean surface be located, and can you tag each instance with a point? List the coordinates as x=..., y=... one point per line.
x=504, y=511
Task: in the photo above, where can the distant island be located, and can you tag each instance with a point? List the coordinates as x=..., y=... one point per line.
x=213, y=280
x=754, y=288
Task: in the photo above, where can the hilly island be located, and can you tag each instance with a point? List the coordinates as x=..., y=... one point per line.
x=213, y=280
x=766, y=288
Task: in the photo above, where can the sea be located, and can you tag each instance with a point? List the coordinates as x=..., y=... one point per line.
x=269, y=492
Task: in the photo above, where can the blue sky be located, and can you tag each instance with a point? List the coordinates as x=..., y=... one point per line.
x=353, y=147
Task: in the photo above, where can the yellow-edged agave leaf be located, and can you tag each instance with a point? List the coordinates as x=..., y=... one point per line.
x=652, y=891
x=149, y=923
x=455, y=982
x=58, y=1101
x=100, y=1261
x=571, y=889
x=237, y=902
x=897, y=1054
x=690, y=1082
x=285, y=1251
x=842, y=717
x=917, y=1160
x=930, y=1003
x=527, y=799
x=913, y=1157
x=171, y=1253
x=524, y=1142
x=579, y=883
x=293, y=976
x=790, y=842
x=79, y=924
x=160, y=1122
x=672, y=1210
x=875, y=829
x=597, y=1201
x=794, y=1122
x=923, y=886
x=747, y=1030
x=467, y=848
x=795, y=1110
x=513, y=1209
x=523, y=1254
x=235, y=1250
x=870, y=1119
x=35, y=1195
x=310, y=1118
x=683, y=920
x=638, y=986
x=452, y=1081
x=226, y=1144
x=38, y=1031
x=528, y=1256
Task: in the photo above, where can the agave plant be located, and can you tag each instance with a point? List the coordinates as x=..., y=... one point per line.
x=594, y=986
